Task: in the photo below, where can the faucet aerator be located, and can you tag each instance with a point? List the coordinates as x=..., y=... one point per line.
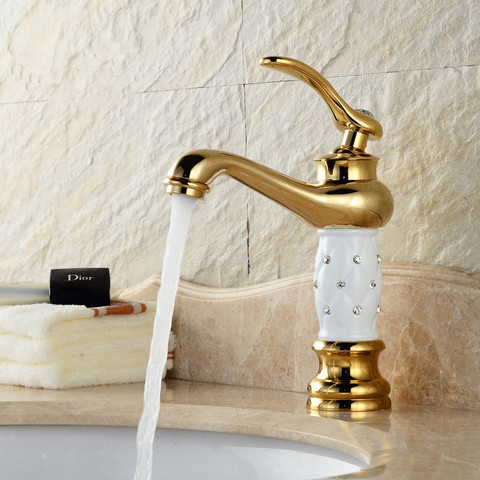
x=183, y=186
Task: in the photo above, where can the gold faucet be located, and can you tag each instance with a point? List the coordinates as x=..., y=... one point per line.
x=347, y=191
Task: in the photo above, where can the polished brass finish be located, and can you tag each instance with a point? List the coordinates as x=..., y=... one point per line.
x=361, y=202
x=355, y=140
x=347, y=191
x=348, y=378
x=346, y=165
x=344, y=116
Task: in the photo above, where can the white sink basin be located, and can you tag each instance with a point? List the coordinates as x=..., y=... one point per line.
x=94, y=452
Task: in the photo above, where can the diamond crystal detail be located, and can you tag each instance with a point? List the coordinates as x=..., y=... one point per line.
x=379, y=259
x=326, y=259
x=315, y=284
x=357, y=310
x=326, y=310
x=373, y=284
x=357, y=259
x=379, y=309
x=341, y=284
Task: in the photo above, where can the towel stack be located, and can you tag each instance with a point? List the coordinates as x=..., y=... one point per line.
x=66, y=346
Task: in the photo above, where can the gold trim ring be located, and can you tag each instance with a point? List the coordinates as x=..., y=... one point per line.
x=348, y=378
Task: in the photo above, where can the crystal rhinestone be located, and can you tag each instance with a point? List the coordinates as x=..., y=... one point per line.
x=379, y=259
x=373, y=284
x=379, y=309
x=357, y=309
x=341, y=284
x=315, y=284
x=357, y=259
x=326, y=259
x=326, y=310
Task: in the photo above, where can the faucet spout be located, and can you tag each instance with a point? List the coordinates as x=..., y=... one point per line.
x=348, y=192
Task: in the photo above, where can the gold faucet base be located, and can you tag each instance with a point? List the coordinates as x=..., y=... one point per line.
x=348, y=378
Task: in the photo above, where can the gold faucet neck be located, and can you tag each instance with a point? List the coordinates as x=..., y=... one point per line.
x=346, y=164
x=355, y=140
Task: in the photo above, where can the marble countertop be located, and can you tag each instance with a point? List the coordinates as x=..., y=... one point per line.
x=407, y=442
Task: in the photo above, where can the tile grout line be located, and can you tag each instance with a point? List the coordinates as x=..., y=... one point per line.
x=244, y=90
x=244, y=84
x=21, y=102
x=388, y=72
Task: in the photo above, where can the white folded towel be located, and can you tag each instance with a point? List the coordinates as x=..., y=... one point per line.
x=65, y=346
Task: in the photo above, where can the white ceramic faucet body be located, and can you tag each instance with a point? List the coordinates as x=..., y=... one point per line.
x=347, y=284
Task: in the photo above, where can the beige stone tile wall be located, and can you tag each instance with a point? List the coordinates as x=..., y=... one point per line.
x=98, y=98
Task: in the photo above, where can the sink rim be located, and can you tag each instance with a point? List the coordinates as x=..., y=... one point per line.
x=100, y=451
x=210, y=407
x=372, y=446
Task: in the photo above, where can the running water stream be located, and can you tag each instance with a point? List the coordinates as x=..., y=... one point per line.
x=182, y=207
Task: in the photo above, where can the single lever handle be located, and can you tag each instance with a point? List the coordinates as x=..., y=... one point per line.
x=344, y=116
